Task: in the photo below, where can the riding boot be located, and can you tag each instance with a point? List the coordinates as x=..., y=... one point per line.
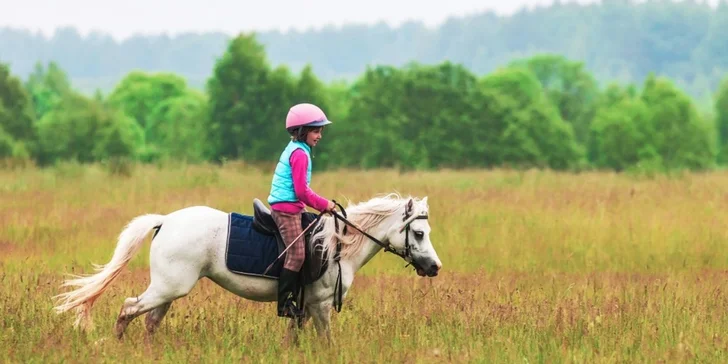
x=288, y=289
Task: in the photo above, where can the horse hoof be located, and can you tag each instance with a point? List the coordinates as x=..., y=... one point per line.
x=119, y=331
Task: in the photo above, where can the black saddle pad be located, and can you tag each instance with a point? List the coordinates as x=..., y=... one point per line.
x=248, y=251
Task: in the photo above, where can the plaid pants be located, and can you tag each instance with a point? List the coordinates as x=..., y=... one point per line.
x=290, y=228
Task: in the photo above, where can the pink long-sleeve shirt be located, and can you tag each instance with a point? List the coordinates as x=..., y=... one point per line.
x=306, y=196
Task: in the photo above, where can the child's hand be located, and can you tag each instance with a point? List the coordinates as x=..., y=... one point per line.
x=331, y=206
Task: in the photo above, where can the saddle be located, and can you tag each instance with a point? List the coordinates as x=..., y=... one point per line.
x=249, y=245
x=263, y=223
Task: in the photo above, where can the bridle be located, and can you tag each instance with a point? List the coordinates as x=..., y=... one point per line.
x=408, y=219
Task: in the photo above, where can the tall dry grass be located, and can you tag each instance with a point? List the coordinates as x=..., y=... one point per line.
x=538, y=267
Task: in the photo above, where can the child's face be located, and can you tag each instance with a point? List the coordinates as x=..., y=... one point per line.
x=313, y=137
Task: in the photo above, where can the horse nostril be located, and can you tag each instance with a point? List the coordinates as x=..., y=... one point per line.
x=435, y=267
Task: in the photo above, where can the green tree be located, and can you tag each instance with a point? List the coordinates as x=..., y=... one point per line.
x=681, y=138
x=373, y=129
x=139, y=93
x=83, y=130
x=621, y=134
x=47, y=87
x=620, y=40
x=243, y=100
x=178, y=128
x=119, y=136
x=440, y=104
x=16, y=109
x=569, y=86
x=721, y=113
x=336, y=140
x=309, y=88
x=7, y=144
x=526, y=127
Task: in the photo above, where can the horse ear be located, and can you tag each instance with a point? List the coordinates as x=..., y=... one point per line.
x=424, y=200
x=410, y=206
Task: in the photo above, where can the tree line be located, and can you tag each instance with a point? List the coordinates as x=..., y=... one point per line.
x=544, y=111
x=617, y=40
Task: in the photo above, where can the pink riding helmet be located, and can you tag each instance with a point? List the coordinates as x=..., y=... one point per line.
x=306, y=115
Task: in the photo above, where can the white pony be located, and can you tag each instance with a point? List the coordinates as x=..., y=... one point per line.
x=192, y=245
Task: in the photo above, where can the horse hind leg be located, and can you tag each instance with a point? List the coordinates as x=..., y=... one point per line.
x=155, y=316
x=157, y=298
x=134, y=307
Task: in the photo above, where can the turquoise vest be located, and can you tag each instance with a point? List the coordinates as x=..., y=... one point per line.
x=282, y=186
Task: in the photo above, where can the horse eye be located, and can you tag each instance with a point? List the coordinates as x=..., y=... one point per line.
x=419, y=234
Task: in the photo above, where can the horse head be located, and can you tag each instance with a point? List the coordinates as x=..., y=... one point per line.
x=411, y=238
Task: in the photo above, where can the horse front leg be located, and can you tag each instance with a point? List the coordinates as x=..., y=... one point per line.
x=321, y=313
x=294, y=328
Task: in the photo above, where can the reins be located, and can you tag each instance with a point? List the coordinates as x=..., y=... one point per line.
x=387, y=247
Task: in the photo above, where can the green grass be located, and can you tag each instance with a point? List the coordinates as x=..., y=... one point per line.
x=537, y=267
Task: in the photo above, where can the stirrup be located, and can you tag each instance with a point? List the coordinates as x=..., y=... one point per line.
x=290, y=310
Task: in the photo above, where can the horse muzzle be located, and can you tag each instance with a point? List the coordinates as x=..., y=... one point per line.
x=431, y=269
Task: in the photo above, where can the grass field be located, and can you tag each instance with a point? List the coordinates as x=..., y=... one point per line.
x=537, y=267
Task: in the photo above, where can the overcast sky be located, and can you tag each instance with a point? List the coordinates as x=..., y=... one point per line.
x=122, y=18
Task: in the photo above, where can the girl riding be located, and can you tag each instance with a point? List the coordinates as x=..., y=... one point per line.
x=290, y=194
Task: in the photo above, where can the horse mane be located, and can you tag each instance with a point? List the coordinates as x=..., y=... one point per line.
x=365, y=215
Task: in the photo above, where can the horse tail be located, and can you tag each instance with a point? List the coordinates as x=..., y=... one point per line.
x=90, y=287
